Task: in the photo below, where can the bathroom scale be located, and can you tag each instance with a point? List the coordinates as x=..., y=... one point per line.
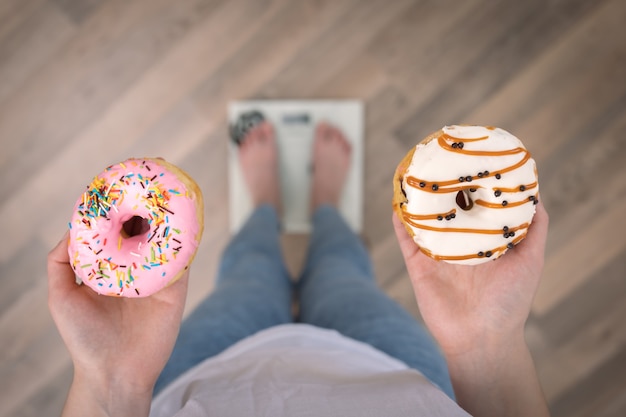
x=294, y=125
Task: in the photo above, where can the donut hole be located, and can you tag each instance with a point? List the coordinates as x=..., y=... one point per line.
x=464, y=201
x=135, y=226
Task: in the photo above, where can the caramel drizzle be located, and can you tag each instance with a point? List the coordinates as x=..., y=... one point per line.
x=427, y=186
x=448, y=137
x=518, y=189
x=472, y=256
x=409, y=216
x=416, y=182
x=500, y=206
x=442, y=142
x=409, y=219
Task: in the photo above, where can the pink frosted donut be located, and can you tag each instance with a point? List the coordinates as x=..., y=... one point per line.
x=136, y=229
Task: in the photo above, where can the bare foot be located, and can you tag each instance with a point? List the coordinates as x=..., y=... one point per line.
x=258, y=157
x=331, y=160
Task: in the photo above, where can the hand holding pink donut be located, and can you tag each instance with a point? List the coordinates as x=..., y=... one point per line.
x=118, y=345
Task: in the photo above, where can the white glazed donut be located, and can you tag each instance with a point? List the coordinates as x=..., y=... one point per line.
x=466, y=194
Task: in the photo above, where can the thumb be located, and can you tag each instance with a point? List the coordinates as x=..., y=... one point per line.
x=407, y=246
x=61, y=278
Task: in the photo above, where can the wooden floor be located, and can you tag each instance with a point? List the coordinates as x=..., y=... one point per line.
x=86, y=83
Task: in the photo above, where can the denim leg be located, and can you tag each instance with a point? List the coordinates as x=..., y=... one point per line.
x=338, y=291
x=253, y=292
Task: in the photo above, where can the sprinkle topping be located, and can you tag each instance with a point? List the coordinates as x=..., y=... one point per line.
x=116, y=258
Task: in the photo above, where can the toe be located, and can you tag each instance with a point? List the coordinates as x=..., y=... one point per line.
x=323, y=131
x=262, y=132
x=258, y=133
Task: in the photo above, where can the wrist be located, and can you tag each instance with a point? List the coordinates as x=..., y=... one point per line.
x=488, y=364
x=488, y=349
x=111, y=378
x=497, y=378
x=474, y=337
x=104, y=396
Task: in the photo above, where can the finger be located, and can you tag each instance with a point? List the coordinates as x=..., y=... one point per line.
x=175, y=295
x=535, y=241
x=176, y=288
x=182, y=283
x=408, y=247
x=538, y=230
x=61, y=277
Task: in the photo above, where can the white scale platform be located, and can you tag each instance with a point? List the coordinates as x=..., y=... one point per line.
x=294, y=124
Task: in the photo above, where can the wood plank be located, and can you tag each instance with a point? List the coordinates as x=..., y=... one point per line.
x=31, y=356
x=484, y=52
x=267, y=53
x=411, y=48
x=413, y=40
x=13, y=13
x=20, y=273
x=30, y=45
x=571, y=192
x=539, y=102
x=79, y=10
x=595, y=391
x=385, y=110
x=581, y=308
x=32, y=303
x=575, y=261
x=47, y=401
x=32, y=372
x=614, y=406
x=294, y=248
x=94, y=68
x=361, y=78
x=331, y=49
x=591, y=347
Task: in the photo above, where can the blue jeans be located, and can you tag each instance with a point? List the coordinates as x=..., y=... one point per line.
x=336, y=291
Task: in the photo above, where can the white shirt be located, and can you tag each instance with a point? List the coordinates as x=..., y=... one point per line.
x=302, y=370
